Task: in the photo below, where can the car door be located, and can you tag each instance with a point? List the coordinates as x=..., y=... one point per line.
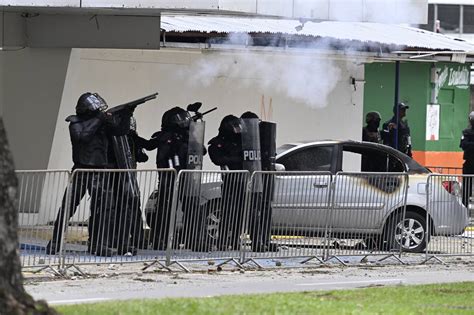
x=301, y=195
x=361, y=201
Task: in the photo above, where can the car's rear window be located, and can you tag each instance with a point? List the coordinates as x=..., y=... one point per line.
x=284, y=148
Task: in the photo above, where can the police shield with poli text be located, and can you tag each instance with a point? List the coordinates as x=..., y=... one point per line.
x=467, y=145
x=262, y=191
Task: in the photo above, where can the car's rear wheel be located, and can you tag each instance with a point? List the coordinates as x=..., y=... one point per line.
x=409, y=233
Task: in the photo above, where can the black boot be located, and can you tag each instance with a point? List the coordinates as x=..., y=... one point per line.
x=103, y=251
x=52, y=247
x=122, y=250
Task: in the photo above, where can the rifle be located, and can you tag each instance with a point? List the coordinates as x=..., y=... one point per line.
x=130, y=106
x=195, y=109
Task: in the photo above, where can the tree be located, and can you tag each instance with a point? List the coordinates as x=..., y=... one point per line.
x=13, y=297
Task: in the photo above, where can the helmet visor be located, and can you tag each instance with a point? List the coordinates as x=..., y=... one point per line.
x=182, y=120
x=236, y=127
x=96, y=102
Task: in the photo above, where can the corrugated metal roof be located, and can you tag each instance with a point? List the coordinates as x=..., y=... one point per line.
x=377, y=33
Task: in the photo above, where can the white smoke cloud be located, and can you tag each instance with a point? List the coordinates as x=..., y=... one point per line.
x=302, y=76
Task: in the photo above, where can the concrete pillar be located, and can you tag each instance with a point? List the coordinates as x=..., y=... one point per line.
x=33, y=81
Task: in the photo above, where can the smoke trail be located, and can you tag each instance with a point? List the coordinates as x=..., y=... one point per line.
x=302, y=76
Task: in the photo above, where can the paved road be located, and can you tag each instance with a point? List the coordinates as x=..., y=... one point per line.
x=123, y=284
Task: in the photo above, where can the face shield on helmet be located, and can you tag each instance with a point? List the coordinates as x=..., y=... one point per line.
x=90, y=103
x=176, y=118
x=230, y=126
x=182, y=120
x=96, y=102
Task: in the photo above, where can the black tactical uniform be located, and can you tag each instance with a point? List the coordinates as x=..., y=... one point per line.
x=371, y=160
x=467, y=145
x=172, y=152
x=91, y=131
x=225, y=150
x=393, y=133
x=371, y=132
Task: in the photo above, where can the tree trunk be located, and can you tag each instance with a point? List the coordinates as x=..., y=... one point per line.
x=13, y=297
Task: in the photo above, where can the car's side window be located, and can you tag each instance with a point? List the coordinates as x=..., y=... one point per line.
x=360, y=159
x=309, y=159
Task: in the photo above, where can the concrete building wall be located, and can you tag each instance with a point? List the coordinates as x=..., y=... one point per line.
x=33, y=81
x=181, y=77
x=2, y=74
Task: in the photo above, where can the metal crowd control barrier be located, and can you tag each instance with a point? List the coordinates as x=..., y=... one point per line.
x=39, y=195
x=208, y=210
x=287, y=215
x=447, y=170
x=367, y=211
x=160, y=217
x=449, y=218
x=110, y=225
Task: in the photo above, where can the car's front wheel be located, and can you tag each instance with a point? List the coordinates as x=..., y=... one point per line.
x=409, y=233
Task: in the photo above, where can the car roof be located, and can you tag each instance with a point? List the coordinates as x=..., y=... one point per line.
x=413, y=166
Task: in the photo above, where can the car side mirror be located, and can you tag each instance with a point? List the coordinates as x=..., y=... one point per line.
x=279, y=167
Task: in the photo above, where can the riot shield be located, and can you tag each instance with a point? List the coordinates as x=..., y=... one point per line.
x=268, y=145
x=251, y=149
x=195, y=145
x=194, y=157
x=123, y=155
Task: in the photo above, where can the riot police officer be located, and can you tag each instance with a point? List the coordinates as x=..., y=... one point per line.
x=225, y=150
x=172, y=144
x=467, y=145
x=91, y=130
x=371, y=131
x=396, y=132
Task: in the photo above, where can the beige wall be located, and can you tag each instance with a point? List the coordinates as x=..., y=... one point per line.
x=33, y=80
x=122, y=75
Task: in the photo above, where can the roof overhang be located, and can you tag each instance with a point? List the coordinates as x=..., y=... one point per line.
x=375, y=41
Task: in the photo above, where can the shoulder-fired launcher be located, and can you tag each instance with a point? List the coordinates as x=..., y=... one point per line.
x=130, y=106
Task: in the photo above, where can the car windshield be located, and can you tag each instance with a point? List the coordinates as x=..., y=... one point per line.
x=284, y=148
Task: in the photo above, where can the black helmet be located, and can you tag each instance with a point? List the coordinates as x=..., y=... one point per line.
x=249, y=115
x=89, y=103
x=372, y=117
x=175, y=118
x=230, y=126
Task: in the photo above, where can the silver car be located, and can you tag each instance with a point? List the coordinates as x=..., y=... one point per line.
x=302, y=204
x=360, y=210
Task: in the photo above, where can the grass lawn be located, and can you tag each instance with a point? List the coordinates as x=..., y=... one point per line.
x=455, y=298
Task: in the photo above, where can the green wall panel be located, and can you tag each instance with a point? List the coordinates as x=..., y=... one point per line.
x=415, y=90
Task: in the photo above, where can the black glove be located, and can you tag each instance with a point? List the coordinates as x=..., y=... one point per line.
x=141, y=156
x=105, y=117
